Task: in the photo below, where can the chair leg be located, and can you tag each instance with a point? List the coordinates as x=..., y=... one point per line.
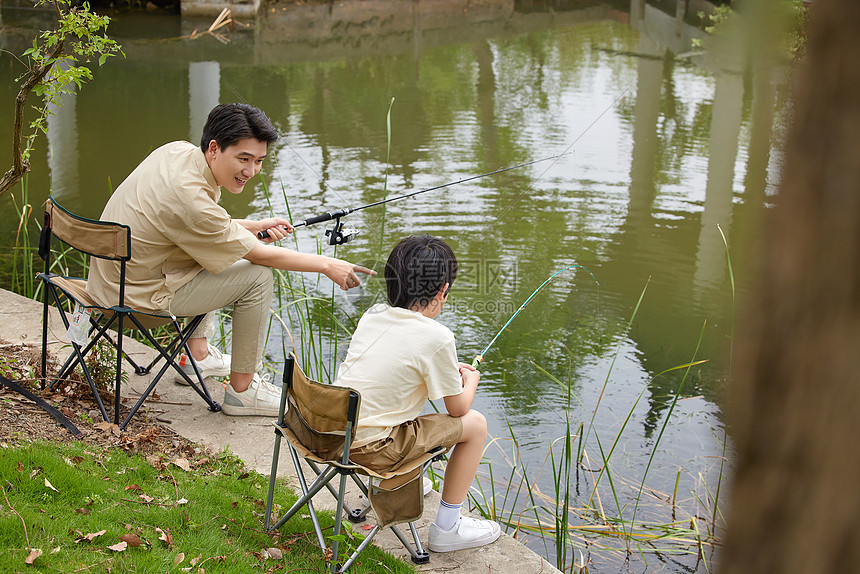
x=419, y=555
x=338, y=519
x=276, y=453
x=45, y=337
x=118, y=384
x=311, y=510
x=314, y=488
x=169, y=362
x=189, y=330
x=89, y=377
x=364, y=544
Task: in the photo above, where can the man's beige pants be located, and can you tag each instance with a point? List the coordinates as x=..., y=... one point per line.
x=245, y=286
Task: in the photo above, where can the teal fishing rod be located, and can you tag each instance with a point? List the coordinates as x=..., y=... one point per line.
x=480, y=357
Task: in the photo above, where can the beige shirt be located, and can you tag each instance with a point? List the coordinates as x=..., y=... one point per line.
x=397, y=359
x=170, y=201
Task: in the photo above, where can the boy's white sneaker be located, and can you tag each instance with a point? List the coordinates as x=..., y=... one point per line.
x=468, y=533
x=216, y=364
x=261, y=398
x=427, y=485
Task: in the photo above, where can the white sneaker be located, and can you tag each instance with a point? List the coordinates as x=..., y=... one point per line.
x=468, y=533
x=216, y=364
x=261, y=398
x=428, y=485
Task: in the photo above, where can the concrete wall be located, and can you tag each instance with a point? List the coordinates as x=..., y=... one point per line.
x=243, y=9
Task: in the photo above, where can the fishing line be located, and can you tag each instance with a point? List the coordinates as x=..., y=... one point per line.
x=479, y=358
x=337, y=235
x=565, y=152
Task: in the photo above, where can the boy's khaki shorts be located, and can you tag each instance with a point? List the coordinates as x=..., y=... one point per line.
x=408, y=442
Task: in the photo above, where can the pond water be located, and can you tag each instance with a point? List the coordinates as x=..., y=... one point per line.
x=664, y=152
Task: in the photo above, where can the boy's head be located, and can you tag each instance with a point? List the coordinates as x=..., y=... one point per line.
x=227, y=124
x=417, y=269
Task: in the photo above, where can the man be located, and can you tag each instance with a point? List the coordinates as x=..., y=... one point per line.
x=190, y=257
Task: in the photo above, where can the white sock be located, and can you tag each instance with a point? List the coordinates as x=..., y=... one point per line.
x=448, y=515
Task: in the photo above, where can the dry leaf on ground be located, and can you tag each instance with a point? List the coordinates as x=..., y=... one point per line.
x=132, y=540
x=34, y=553
x=164, y=536
x=90, y=537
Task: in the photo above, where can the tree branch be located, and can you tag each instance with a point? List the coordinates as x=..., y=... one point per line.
x=19, y=166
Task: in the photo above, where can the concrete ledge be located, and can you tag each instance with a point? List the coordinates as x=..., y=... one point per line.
x=252, y=440
x=245, y=9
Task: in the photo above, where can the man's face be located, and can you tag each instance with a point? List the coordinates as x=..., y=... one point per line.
x=234, y=165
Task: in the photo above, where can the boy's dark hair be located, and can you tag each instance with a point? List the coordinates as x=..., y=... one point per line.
x=227, y=124
x=417, y=268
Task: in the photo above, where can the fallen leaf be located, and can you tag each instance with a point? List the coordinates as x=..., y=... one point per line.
x=51, y=486
x=179, y=558
x=145, y=498
x=182, y=502
x=108, y=427
x=91, y=536
x=34, y=553
x=243, y=475
x=131, y=539
x=164, y=536
x=275, y=553
x=367, y=526
x=133, y=487
x=84, y=511
x=119, y=546
x=20, y=467
x=194, y=561
x=182, y=463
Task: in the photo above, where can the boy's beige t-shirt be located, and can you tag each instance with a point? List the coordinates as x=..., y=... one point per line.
x=170, y=201
x=397, y=359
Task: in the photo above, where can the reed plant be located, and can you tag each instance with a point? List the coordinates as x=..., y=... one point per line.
x=577, y=524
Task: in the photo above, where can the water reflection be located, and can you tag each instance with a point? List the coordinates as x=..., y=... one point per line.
x=663, y=148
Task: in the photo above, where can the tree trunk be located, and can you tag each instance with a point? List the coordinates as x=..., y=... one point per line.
x=795, y=403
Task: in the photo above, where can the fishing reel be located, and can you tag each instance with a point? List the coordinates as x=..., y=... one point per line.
x=339, y=235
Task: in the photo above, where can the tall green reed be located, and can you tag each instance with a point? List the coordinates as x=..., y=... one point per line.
x=313, y=326
x=572, y=522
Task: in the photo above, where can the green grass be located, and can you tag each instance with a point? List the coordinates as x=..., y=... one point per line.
x=77, y=504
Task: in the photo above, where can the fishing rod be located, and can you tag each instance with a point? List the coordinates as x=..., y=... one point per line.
x=479, y=358
x=339, y=236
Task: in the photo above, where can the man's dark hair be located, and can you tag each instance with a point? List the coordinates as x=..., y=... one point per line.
x=227, y=124
x=417, y=268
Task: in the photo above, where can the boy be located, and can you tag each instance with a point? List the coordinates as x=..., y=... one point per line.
x=189, y=257
x=397, y=359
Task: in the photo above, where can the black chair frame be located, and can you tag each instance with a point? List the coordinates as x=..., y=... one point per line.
x=102, y=318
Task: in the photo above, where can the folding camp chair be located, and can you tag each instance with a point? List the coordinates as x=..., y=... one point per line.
x=319, y=423
x=106, y=240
